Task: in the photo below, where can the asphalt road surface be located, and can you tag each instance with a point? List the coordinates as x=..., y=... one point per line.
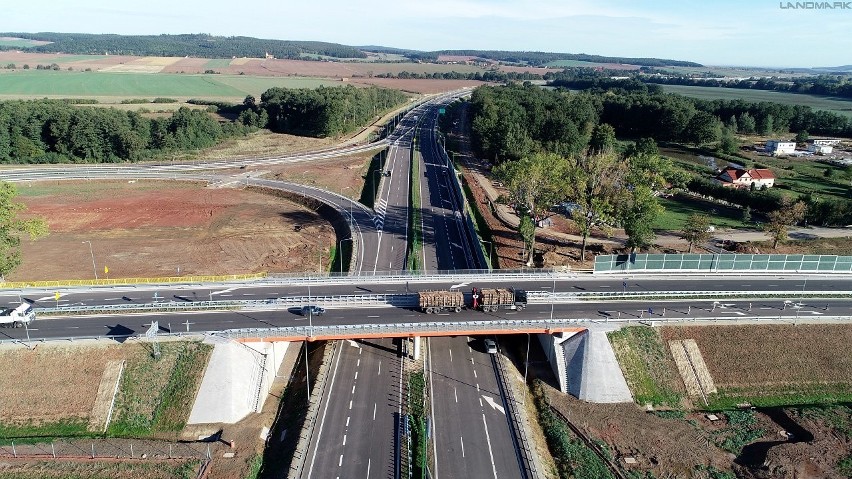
x=355, y=436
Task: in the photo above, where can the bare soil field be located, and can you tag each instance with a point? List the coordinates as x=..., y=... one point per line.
x=101, y=469
x=344, y=176
x=151, y=229
x=35, y=380
x=774, y=358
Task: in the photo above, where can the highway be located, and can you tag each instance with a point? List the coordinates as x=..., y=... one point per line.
x=266, y=290
x=471, y=436
x=358, y=414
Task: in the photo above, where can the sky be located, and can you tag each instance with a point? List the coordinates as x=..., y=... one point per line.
x=711, y=32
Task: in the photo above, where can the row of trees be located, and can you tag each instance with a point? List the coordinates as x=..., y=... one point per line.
x=489, y=76
x=325, y=112
x=543, y=58
x=629, y=103
x=830, y=85
x=195, y=45
x=52, y=131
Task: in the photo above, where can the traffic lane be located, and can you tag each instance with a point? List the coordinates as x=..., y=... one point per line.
x=479, y=442
x=194, y=322
x=363, y=404
x=193, y=292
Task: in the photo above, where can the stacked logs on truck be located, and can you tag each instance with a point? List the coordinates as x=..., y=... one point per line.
x=434, y=301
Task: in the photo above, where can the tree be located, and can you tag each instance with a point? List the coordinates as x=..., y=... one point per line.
x=696, y=230
x=12, y=228
x=780, y=220
x=802, y=136
x=594, y=182
x=728, y=143
x=703, y=128
x=747, y=214
x=603, y=139
x=638, y=215
x=534, y=184
x=747, y=124
x=732, y=124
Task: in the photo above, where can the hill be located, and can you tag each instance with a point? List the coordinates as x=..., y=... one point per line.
x=195, y=45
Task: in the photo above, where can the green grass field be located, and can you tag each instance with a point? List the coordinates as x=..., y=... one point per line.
x=218, y=63
x=680, y=207
x=40, y=83
x=18, y=42
x=836, y=105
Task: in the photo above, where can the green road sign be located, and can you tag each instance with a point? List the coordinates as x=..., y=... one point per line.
x=442, y=111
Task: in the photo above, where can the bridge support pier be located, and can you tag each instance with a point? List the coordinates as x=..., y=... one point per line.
x=416, y=354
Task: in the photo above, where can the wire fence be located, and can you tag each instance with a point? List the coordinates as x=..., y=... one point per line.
x=113, y=448
x=724, y=263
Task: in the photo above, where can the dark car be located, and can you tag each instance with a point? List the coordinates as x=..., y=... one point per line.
x=312, y=311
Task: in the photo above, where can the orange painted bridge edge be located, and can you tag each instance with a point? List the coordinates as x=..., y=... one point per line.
x=478, y=332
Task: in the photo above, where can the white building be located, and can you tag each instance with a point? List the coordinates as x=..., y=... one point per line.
x=826, y=142
x=779, y=147
x=740, y=178
x=820, y=149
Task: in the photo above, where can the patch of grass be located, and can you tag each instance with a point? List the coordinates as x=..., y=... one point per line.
x=156, y=395
x=739, y=432
x=844, y=466
x=713, y=473
x=33, y=433
x=101, y=470
x=38, y=83
x=254, y=466
x=838, y=418
x=837, y=105
x=417, y=418
x=179, y=394
x=787, y=395
x=642, y=357
x=678, y=209
x=415, y=235
x=573, y=458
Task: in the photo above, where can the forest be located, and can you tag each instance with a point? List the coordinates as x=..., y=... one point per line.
x=194, y=45
x=325, y=112
x=54, y=131
x=517, y=122
x=543, y=58
x=631, y=101
x=827, y=85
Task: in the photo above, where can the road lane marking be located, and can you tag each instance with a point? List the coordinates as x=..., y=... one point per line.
x=369, y=461
x=432, y=405
x=494, y=405
x=451, y=355
x=477, y=387
x=358, y=364
x=488, y=440
x=474, y=374
x=325, y=410
x=462, y=444
x=380, y=368
x=356, y=375
x=344, y=439
x=350, y=404
x=375, y=405
x=340, y=462
x=471, y=360
x=456, y=393
x=347, y=420
x=375, y=316
x=353, y=389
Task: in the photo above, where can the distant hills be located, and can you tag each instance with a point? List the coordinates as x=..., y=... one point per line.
x=210, y=46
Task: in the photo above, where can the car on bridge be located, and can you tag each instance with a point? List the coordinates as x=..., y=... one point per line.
x=312, y=311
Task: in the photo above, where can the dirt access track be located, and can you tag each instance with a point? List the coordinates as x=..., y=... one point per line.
x=154, y=229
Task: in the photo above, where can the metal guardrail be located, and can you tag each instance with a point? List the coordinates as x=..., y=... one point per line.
x=523, y=444
x=410, y=300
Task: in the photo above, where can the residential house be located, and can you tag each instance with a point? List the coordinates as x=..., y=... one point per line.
x=740, y=178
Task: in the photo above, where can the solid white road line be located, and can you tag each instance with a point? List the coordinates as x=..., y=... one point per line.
x=325, y=410
x=369, y=461
x=432, y=404
x=490, y=452
x=380, y=369
x=462, y=444
x=375, y=405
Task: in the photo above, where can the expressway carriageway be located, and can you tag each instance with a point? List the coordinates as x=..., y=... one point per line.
x=352, y=285
x=569, y=315
x=471, y=433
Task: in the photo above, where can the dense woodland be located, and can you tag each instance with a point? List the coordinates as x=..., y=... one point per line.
x=518, y=122
x=194, y=45
x=53, y=131
x=324, y=112
x=57, y=131
x=543, y=58
x=828, y=85
x=630, y=101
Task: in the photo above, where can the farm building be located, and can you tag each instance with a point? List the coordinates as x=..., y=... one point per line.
x=740, y=178
x=820, y=149
x=826, y=141
x=780, y=147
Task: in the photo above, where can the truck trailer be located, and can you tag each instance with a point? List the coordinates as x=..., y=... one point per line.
x=17, y=317
x=437, y=301
x=492, y=299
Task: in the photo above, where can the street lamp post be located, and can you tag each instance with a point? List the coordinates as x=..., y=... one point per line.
x=92, y=252
x=340, y=252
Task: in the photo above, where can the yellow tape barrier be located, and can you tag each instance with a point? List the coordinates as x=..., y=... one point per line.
x=130, y=281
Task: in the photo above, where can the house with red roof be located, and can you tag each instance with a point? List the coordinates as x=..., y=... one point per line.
x=741, y=178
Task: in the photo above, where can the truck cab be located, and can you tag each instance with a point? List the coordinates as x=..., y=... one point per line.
x=17, y=317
